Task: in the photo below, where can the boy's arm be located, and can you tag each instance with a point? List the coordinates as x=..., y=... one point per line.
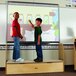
x=39, y=39
x=31, y=24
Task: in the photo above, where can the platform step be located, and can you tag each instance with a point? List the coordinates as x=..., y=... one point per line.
x=28, y=67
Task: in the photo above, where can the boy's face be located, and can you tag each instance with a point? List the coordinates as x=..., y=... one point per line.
x=38, y=23
x=16, y=15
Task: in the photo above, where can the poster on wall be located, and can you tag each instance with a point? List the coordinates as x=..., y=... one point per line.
x=50, y=21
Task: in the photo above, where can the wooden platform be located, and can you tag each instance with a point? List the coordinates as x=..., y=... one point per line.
x=31, y=67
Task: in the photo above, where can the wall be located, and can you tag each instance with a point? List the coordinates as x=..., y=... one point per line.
x=3, y=1
x=3, y=23
x=31, y=55
x=67, y=25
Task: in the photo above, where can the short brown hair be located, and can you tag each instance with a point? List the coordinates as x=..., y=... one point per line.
x=15, y=13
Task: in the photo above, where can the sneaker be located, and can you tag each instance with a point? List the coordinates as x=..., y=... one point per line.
x=38, y=60
x=20, y=60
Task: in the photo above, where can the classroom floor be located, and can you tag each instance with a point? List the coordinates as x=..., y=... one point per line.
x=68, y=72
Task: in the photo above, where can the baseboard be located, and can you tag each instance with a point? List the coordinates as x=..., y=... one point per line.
x=69, y=68
x=2, y=68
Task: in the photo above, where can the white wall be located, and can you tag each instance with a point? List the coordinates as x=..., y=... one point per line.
x=3, y=1
x=68, y=31
x=67, y=25
x=31, y=54
x=3, y=23
x=62, y=3
x=44, y=1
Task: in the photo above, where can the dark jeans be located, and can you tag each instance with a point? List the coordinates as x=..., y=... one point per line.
x=39, y=52
x=16, y=48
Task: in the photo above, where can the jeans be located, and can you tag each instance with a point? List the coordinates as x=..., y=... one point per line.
x=39, y=52
x=16, y=48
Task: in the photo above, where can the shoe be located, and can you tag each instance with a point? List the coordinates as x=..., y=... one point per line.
x=38, y=60
x=35, y=59
x=20, y=60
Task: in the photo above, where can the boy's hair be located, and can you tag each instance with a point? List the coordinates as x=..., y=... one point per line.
x=39, y=19
x=15, y=13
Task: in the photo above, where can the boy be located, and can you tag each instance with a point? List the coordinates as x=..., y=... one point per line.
x=38, y=40
x=16, y=34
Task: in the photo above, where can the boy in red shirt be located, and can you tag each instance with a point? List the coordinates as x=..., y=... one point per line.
x=16, y=34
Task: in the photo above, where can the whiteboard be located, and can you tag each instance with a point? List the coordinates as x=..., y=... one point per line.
x=67, y=25
x=31, y=11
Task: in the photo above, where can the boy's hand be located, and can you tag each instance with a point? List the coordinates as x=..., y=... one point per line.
x=29, y=21
x=21, y=36
x=38, y=43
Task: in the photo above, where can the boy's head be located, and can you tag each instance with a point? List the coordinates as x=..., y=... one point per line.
x=38, y=21
x=16, y=15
